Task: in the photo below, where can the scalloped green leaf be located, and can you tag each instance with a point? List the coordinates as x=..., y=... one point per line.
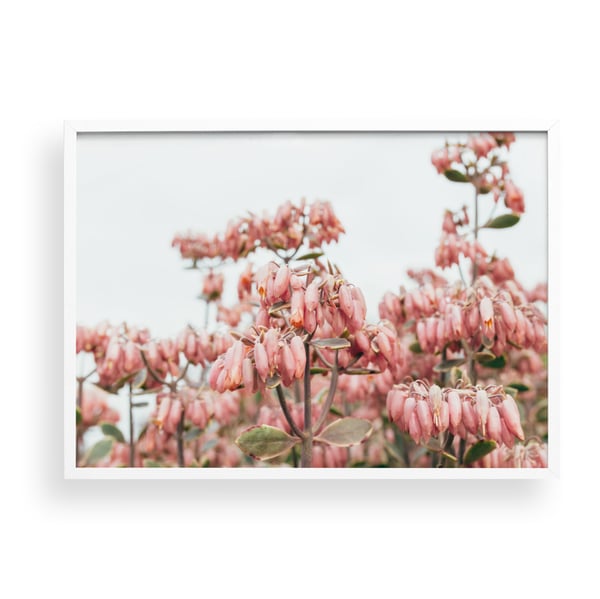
x=265, y=442
x=272, y=381
x=361, y=371
x=479, y=450
x=447, y=365
x=110, y=430
x=345, y=432
x=192, y=434
x=98, y=451
x=456, y=176
x=139, y=379
x=209, y=445
x=503, y=221
x=331, y=343
x=484, y=356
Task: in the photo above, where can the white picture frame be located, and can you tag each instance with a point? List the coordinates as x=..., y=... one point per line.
x=74, y=128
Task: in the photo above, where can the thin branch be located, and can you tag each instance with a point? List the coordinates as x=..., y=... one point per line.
x=322, y=358
x=151, y=370
x=287, y=414
x=182, y=375
x=330, y=395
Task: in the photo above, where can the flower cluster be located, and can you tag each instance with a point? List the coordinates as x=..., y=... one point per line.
x=425, y=411
x=285, y=231
x=95, y=407
x=482, y=314
x=259, y=359
x=532, y=454
x=323, y=307
x=115, y=350
x=445, y=361
x=201, y=347
x=482, y=162
x=453, y=245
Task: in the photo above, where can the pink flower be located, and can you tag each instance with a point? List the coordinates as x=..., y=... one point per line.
x=481, y=144
x=513, y=197
x=441, y=160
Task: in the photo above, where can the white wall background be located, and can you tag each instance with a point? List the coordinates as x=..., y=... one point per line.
x=135, y=191
x=268, y=59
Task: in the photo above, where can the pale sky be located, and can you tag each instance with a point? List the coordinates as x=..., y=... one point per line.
x=135, y=191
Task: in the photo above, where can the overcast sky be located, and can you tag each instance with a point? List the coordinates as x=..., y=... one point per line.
x=135, y=191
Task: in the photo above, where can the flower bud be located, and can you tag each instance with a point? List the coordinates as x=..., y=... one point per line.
x=299, y=352
x=483, y=407
x=425, y=419
x=455, y=408
x=261, y=361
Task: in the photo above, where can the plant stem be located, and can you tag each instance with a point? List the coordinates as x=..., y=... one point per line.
x=472, y=370
x=330, y=395
x=131, y=441
x=286, y=412
x=306, y=458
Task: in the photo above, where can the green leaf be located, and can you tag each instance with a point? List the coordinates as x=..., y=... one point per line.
x=192, y=434
x=336, y=411
x=456, y=176
x=542, y=414
x=152, y=464
x=478, y=451
x=78, y=417
x=345, y=432
x=331, y=343
x=209, y=445
x=360, y=371
x=518, y=386
x=456, y=374
x=272, y=381
x=415, y=348
x=110, y=430
x=278, y=307
x=499, y=362
x=447, y=365
x=502, y=222
x=310, y=256
x=484, y=356
x=265, y=442
x=319, y=370
x=98, y=451
x=487, y=342
x=139, y=379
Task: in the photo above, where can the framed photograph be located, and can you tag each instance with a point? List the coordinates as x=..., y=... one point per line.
x=311, y=300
